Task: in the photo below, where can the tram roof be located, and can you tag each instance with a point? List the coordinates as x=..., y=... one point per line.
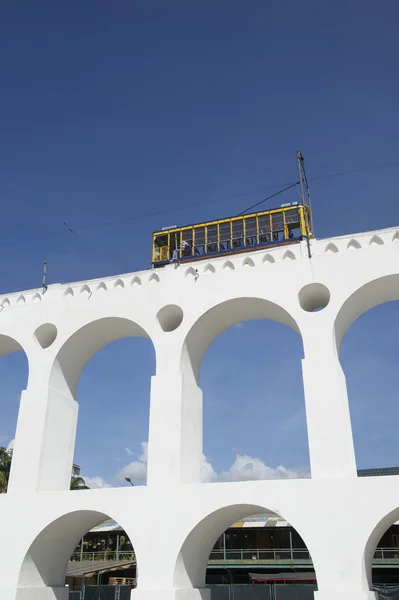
x=288, y=206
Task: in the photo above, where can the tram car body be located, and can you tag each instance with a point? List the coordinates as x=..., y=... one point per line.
x=279, y=226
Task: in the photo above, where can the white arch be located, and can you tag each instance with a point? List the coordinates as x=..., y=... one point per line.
x=268, y=258
x=85, y=290
x=190, y=272
x=375, y=292
x=222, y=316
x=101, y=287
x=119, y=284
x=83, y=344
x=192, y=560
x=154, y=277
x=248, y=262
x=331, y=248
x=353, y=245
x=136, y=281
x=209, y=268
x=68, y=292
x=288, y=255
x=228, y=265
x=376, y=240
x=46, y=560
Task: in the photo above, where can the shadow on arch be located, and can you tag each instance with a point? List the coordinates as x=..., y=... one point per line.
x=82, y=346
x=14, y=373
x=382, y=548
x=373, y=293
x=199, y=546
x=221, y=317
x=44, y=568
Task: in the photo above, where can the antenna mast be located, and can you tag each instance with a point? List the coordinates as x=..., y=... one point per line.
x=303, y=180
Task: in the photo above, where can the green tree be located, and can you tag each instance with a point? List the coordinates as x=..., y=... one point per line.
x=78, y=483
x=5, y=466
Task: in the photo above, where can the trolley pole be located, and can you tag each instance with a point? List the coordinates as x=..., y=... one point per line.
x=304, y=182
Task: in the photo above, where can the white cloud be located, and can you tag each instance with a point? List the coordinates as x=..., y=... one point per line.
x=244, y=468
x=95, y=482
x=137, y=469
x=129, y=452
x=208, y=472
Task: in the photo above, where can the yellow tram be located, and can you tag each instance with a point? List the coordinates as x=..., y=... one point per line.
x=290, y=223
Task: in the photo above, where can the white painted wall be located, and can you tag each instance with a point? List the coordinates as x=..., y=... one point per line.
x=62, y=329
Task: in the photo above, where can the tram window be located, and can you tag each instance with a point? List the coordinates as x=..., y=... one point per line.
x=250, y=231
x=212, y=238
x=292, y=217
x=277, y=225
x=224, y=234
x=161, y=247
x=264, y=229
x=292, y=222
x=187, y=242
x=237, y=233
x=199, y=240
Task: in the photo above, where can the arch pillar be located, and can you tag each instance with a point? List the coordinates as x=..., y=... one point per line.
x=175, y=431
x=331, y=448
x=45, y=434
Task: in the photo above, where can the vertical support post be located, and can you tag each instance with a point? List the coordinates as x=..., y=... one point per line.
x=224, y=545
x=117, y=547
x=327, y=407
x=291, y=553
x=81, y=549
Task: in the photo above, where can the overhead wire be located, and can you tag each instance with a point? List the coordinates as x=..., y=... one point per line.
x=193, y=204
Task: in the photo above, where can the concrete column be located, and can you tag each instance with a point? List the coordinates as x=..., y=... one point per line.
x=175, y=434
x=44, y=440
x=327, y=410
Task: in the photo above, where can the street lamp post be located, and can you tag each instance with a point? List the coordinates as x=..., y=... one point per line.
x=129, y=481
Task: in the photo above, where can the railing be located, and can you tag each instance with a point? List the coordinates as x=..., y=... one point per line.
x=104, y=555
x=246, y=554
x=386, y=554
x=259, y=554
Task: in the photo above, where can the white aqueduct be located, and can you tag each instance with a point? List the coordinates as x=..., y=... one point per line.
x=182, y=314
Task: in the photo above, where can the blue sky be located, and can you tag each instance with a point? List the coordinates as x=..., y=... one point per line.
x=112, y=111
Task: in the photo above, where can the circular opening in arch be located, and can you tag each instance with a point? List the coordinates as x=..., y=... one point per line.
x=46, y=335
x=170, y=317
x=313, y=297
